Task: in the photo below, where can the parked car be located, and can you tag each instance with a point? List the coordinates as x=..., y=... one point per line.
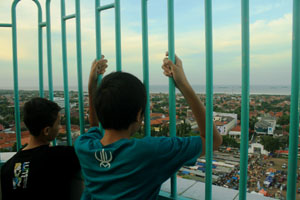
x=284, y=166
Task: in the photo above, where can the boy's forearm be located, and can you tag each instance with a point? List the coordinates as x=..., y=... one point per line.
x=198, y=110
x=196, y=106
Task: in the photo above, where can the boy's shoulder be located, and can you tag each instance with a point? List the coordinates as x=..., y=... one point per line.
x=43, y=151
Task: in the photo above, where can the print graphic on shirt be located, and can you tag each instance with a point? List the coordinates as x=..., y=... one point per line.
x=21, y=172
x=103, y=159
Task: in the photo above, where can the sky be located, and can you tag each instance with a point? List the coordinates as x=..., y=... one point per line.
x=270, y=41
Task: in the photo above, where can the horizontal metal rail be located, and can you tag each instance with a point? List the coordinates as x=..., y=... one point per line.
x=108, y=6
x=69, y=17
x=5, y=25
x=43, y=24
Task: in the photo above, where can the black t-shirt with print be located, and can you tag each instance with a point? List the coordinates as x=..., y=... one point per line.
x=40, y=173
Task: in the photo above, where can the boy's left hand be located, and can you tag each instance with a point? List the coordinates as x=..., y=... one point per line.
x=98, y=68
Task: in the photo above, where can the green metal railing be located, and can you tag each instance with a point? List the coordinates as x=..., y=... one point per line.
x=172, y=99
x=245, y=101
x=294, y=118
x=41, y=24
x=294, y=113
x=64, y=18
x=147, y=126
x=98, y=9
x=209, y=100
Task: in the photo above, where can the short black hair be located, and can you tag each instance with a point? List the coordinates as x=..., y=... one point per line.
x=40, y=113
x=118, y=100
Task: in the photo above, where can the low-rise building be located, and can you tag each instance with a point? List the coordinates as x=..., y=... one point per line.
x=225, y=122
x=235, y=132
x=257, y=148
x=265, y=126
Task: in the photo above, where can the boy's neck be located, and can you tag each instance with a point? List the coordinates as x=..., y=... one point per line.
x=35, y=142
x=112, y=136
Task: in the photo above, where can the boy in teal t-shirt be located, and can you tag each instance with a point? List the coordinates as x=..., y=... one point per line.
x=117, y=167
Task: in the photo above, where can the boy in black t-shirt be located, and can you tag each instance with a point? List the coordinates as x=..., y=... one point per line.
x=39, y=171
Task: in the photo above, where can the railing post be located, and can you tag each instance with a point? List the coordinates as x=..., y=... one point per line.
x=49, y=55
x=98, y=42
x=15, y=71
x=40, y=48
x=146, y=65
x=65, y=72
x=98, y=30
x=118, y=35
x=245, y=101
x=98, y=9
x=294, y=112
x=79, y=66
x=49, y=50
x=209, y=99
x=172, y=104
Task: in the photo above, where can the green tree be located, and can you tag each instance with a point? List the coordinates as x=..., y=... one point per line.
x=75, y=120
x=284, y=120
x=283, y=141
x=270, y=144
x=238, y=112
x=252, y=122
x=183, y=130
x=230, y=142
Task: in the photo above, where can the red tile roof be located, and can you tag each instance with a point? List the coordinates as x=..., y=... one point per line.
x=8, y=139
x=237, y=128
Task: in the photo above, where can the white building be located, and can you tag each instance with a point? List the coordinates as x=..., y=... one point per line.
x=266, y=125
x=225, y=122
x=235, y=132
x=257, y=148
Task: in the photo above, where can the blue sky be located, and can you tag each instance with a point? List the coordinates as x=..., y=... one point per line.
x=270, y=41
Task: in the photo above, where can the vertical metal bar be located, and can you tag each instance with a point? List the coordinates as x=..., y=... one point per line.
x=79, y=66
x=98, y=35
x=172, y=105
x=245, y=100
x=49, y=54
x=65, y=72
x=98, y=43
x=118, y=35
x=40, y=44
x=209, y=99
x=49, y=50
x=15, y=73
x=146, y=66
x=294, y=117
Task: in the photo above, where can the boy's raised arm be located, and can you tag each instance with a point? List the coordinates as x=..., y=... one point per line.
x=98, y=67
x=198, y=109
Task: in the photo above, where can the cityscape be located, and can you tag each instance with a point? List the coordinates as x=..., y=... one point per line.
x=268, y=135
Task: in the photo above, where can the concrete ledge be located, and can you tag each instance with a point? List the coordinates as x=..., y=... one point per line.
x=190, y=189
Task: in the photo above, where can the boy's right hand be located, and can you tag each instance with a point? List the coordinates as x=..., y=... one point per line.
x=98, y=68
x=175, y=71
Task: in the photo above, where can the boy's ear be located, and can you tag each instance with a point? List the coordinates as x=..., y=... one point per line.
x=139, y=116
x=45, y=131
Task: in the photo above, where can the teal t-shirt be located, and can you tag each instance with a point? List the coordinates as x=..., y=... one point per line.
x=131, y=168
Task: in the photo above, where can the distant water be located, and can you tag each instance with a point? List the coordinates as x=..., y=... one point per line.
x=226, y=89
x=230, y=89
